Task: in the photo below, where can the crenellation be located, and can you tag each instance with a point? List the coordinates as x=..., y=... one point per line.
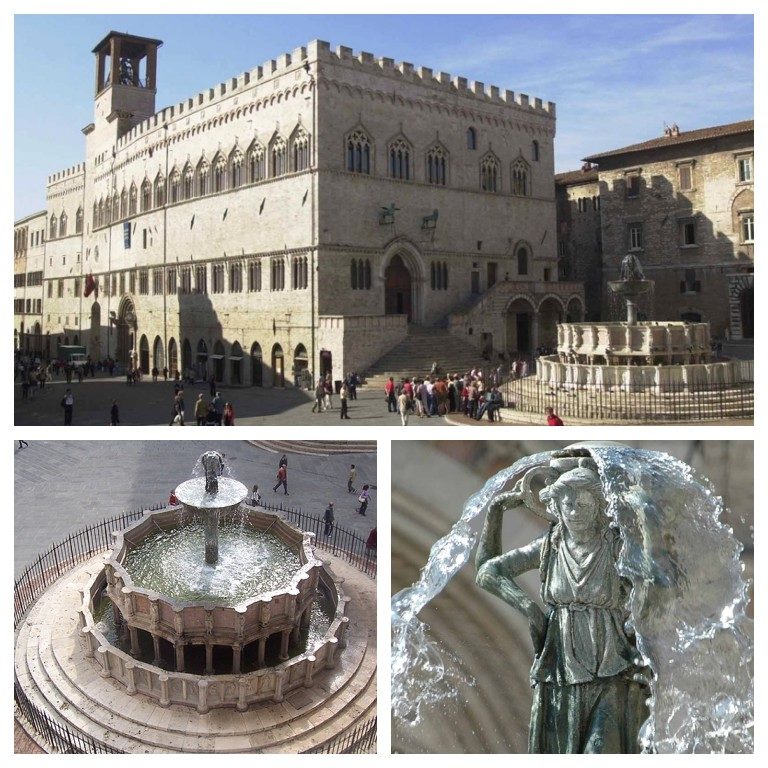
x=537, y=103
x=523, y=100
x=343, y=52
x=386, y=63
x=405, y=68
x=425, y=73
x=366, y=58
x=478, y=88
x=269, y=66
x=492, y=92
x=283, y=61
x=460, y=84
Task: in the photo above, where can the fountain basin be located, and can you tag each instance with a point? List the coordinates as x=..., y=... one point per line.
x=181, y=621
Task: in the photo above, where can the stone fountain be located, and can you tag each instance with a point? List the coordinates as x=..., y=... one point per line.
x=207, y=606
x=634, y=355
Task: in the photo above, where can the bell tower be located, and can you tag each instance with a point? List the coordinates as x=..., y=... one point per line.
x=126, y=82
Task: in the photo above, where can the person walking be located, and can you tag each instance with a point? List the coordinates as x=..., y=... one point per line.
x=218, y=408
x=68, y=404
x=351, y=479
x=255, y=496
x=328, y=392
x=363, y=498
x=283, y=461
x=229, y=415
x=172, y=500
x=553, y=420
x=201, y=409
x=212, y=385
x=282, y=479
x=328, y=519
x=319, y=395
x=403, y=406
x=370, y=544
x=389, y=389
x=177, y=410
x=114, y=414
x=343, y=395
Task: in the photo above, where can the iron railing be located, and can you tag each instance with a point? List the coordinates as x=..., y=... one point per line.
x=89, y=541
x=679, y=402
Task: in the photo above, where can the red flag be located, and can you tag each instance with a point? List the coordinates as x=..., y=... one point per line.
x=90, y=285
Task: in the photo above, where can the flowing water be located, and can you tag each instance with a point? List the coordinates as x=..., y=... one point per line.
x=687, y=604
x=250, y=562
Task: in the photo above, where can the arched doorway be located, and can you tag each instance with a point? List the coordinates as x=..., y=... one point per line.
x=37, y=334
x=144, y=354
x=397, y=288
x=520, y=319
x=94, y=343
x=257, y=367
x=301, y=367
x=158, y=354
x=236, y=365
x=278, y=371
x=126, y=333
x=218, y=360
x=173, y=358
x=201, y=361
x=550, y=314
x=326, y=363
x=187, y=364
x=574, y=313
x=747, y=310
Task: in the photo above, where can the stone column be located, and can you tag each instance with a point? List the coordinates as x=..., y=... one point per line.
x=156, y=649
x=280, y=675
x=179, y=648
x=130, y=670
x=211, y=525
x=242, y=688
x=165, y=697
x=308, y=670
x=135, y=648
x=535, y=331
x=236, y=656
x=103, y=653
x=284, y=639
x=202, y=696
x=262, y=651
x=208, y=658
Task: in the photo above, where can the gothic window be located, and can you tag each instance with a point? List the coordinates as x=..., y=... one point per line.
x=236, y=169
x=400, y=160
x=436, y=166
x=358, y=153
x=254, y=276
x=300, y=150
x=144, y=282
x=188, y=183
x=353, y=274
x=146, y=195
x=54, y=228
x=235, y=278
x=438, y=275
x=201, y=279
x=186, y=279
x=445, y=275
x=256, y=165
x=79, y=221
x=101, y=220
x=522, y=260
x=277, y=274
x=132, y=200
x=278, y=156
x=520, y=178
x=489, y=173
x=124, y=203
x=471, y=138
x=157, y=282
x=535, y=151
x=361, y=274
x=63, y=225
x=367, y=274
x=175, y=186
x=219, y=174
x=95, y=221
x=203, y=173
x=171, y=281
x=218, y=278
x=115, y=207
x=159, y=191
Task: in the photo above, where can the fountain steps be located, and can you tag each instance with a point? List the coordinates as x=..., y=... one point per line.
x=49, y=659
x=316, y=447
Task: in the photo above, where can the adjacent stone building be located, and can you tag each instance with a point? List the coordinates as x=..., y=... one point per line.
x=300, y=217
x=684, y=203
x=28, y=268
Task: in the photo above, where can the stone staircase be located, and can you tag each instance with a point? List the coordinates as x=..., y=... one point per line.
x=415, y=354
x=52, y=669
x=316, y=447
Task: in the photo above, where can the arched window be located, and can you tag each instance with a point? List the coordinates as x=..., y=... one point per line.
x=101, y=219
x=146, y=195
x=236, y=169
x=520, y=184
x=79, y=221
x=353, y=274
x=256, y=164
x=188, y=182
x=367, y=274
x=116, y=207
x=133, y=200
x=53, y=228
x=277, y=154
x=522, y=260
x=63, y=225
x=235, y=278
x=432, y=280
x=175, y=186
x=445, y=275
x=535, y=150
x=219, y=174
x=358, y=152
x=123, y=203
x=471, y=138
x=361, y=274
x=436, y=165
x=95, y=220
x=254, y=276
x=300, y=150
x=400, y=160
x=489, y=173
x=159, y=191
x=203, y=174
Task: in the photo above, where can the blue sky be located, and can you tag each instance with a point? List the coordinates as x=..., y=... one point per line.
x=616, y=79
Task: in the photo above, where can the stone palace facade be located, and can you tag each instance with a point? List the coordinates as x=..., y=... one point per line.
x=298, y=217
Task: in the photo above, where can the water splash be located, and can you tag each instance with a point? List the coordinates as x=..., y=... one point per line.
x=687, y=603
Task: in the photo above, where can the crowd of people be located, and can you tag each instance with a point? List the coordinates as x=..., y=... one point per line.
x=324, y=391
